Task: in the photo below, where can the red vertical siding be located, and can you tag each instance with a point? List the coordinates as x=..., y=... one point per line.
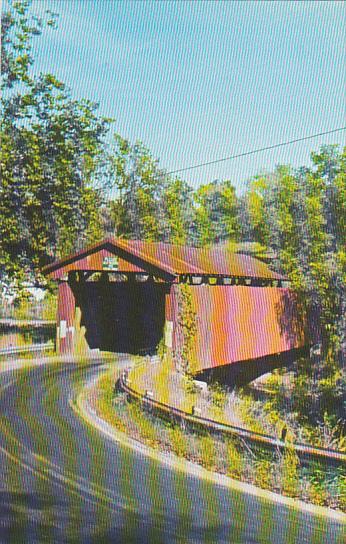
x=236, y=323
x=65, y=318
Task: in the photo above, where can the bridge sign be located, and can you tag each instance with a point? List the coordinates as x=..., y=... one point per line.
x=110, y=263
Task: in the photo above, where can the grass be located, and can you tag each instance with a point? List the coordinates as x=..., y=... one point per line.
x=29, y=308
x=290, y=475
x=263, y=473
x=21, y=337
x=146, y=427
x=235, y=459
x=207, y=452
x=161, y=378
x=158, y=378
x=310, y=409
x=178, y=441
x=279, y=472
x=105, y=402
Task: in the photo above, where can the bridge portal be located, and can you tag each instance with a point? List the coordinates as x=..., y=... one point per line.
x=121, y=316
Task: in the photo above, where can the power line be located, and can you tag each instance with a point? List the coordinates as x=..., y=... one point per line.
x=256, y=150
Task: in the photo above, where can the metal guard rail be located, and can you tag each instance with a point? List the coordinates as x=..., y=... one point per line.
x=309, y=452
x=25, y=349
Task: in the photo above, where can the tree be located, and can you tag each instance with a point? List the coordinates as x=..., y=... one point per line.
x=149, y=204
x=254, y=208
x=18, y=27
x=326, y=203
x=137, y=208
x=216, y=212
x=301, y=216
x=179, y=212
x=51, y=157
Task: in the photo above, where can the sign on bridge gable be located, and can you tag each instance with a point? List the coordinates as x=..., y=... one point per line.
x=110, y=263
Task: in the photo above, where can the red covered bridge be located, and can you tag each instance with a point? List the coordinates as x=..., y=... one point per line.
x=122, y=296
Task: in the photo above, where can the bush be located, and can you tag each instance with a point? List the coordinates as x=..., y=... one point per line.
x=263, y=474
x=218, y=395
x=317, y=493
x=342, y=493
x=331, y=432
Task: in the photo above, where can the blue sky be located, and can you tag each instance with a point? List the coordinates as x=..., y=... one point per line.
x=196, y=81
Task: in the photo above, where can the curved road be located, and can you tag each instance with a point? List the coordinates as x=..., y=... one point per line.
x=62, y=481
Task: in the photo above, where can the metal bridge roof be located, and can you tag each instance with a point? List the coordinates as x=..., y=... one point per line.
x=171, y=259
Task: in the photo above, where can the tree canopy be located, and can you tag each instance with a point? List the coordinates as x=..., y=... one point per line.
x=51, y=156
x=300, y=215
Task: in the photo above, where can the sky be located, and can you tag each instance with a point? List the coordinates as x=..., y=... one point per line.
x=198, y=81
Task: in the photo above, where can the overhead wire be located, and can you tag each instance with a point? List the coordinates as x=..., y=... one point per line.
x=252, y=152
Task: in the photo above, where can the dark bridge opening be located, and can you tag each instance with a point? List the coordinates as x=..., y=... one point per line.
x=124, y=317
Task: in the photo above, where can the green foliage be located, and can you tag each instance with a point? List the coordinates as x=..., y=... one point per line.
x=311, y=483
x=318, y=486
x=216, y=213
x=332, y=432
x=311, y=409
x=290, y=475
x=179, y=212
x=149, y=204
x=16, y=54
x=186, y=329
x=256, y=211
x=145, y=426
x=218, y=395
x=300, y=215
x=104, y=402
x=49, y=306
x=207, y=452
x=235, y=460
x=263, y=473
x=51, y=157
x=179, y=441
x=250, y=414
x=25, y=307
x=317, y=397
x=138, y=180
x=342, y=493
x=161, y=349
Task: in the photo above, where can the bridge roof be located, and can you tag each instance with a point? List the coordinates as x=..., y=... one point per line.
x=168, y=258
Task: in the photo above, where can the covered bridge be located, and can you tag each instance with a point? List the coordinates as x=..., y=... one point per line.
x=123, y=296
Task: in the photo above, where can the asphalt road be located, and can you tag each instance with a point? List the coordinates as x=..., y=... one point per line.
x=62, y=481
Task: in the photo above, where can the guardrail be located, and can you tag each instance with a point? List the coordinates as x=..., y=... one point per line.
x=12, y=322
x=32, y=348
x=307, y=453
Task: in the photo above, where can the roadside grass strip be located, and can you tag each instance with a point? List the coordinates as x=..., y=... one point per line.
x=279, y=472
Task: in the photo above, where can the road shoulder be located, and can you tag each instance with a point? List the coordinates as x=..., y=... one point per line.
x=83, y=408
